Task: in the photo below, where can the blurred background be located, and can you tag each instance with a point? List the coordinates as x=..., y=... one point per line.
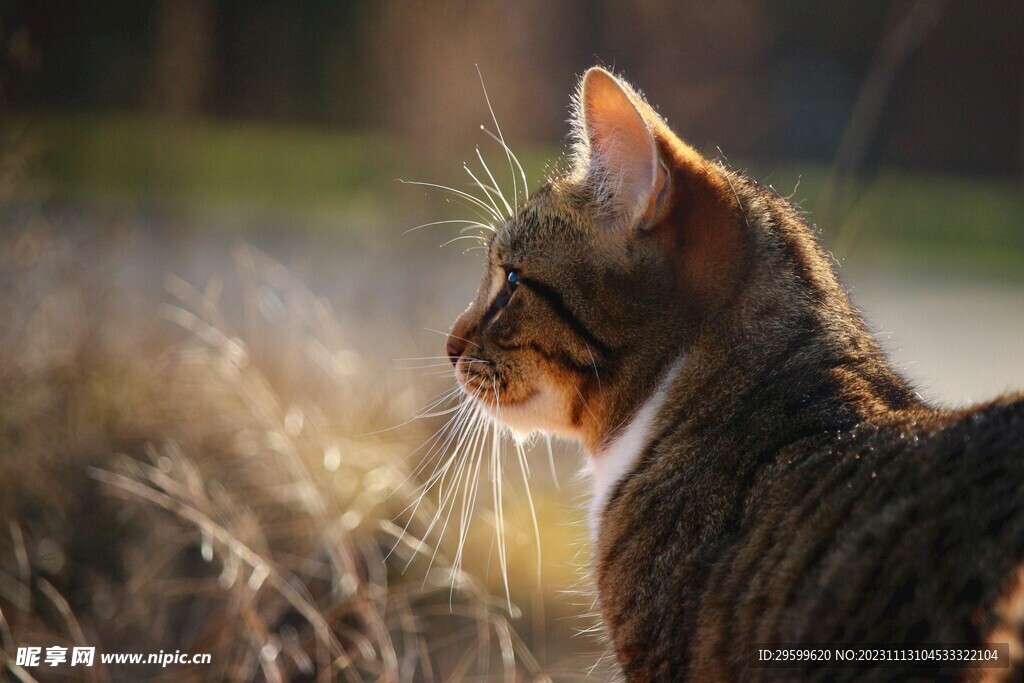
x=220, y=387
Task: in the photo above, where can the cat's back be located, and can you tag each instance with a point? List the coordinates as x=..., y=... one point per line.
x=905, y=532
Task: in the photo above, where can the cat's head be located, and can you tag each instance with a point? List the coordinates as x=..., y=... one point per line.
x=604, y=276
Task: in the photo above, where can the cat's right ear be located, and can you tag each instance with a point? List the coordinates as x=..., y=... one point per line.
x=616, y=154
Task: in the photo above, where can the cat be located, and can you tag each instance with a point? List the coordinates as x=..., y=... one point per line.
x=762, y=477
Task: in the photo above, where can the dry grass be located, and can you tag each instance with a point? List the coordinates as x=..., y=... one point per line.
x=201, y=488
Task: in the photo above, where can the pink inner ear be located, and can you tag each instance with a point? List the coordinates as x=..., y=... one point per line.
x=615, y=127
x=621, y=145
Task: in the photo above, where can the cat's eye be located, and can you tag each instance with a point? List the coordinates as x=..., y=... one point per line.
x=504, y=296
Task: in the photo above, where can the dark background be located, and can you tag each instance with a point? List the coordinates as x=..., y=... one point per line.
x=760, y=79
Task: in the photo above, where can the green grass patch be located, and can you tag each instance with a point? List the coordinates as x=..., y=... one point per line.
x=213, y=166
x=326, y=177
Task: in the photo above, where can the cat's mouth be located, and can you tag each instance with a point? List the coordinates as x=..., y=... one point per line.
x=489, y=390
x=523, y=408
x=511, y=406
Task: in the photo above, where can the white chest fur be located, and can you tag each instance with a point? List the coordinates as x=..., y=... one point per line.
x=618, y=458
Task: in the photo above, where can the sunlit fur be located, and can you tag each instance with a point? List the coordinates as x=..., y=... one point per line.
x=785, y=442
x=549, y=377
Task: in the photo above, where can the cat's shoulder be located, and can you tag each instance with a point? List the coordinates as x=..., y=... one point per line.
x=997, y=423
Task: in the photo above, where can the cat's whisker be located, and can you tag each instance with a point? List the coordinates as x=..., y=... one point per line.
x=477, y=449
x=551, y=462
x=510, y=153
x=499, y=510
x=432, y=405
x=484, y=221
x=497, y=187
x=458, y=193
x=470, y=492
x=524, y=468
x=466, y=221
x=465, y=436
x=433, y=371
x=437, y=414
x=438, y=373
x=425, y=412
x=501, y=137
x=584, y=402
x=439, y=477
x=484, y=243
x=446, y=363
x=421, y=542
x=448, y=432
x=433, y=364
x=469, y=465
x=496, y=495
x=425, y=358
x=436, y=478
x=483, y=186
x=486, y=188
x=589, y=630
x=450, y=428
x=593, y=364
x=437, y=442
x=446, y=334
x=448, y=495
x=476, y=226
x=488, y=191
x=600, y=660
x=462, y=237
x=449, y=372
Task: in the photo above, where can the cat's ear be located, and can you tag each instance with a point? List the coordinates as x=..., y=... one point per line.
x=616, y=153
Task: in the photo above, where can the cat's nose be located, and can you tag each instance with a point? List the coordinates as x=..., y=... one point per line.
x=455, y=348
x=457, y=341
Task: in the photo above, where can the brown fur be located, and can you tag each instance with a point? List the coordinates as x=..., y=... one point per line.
x=1009, y=628
x=793, y=488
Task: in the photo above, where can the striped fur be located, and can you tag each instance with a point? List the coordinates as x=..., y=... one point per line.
x=785, y=486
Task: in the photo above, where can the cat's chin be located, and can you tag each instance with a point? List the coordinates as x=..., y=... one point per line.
x=535, y=413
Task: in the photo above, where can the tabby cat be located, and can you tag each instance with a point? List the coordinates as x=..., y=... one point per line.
x=762, y=477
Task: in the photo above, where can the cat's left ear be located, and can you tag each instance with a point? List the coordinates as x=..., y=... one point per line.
x=616, y=153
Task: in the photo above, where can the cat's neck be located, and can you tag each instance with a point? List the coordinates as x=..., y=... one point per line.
x=729, y=410
x=614, y=458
